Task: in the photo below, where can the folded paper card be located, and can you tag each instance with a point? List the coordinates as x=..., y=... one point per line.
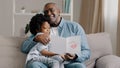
x=62, y=45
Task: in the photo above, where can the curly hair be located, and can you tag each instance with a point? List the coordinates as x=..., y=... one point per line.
x=36, y=22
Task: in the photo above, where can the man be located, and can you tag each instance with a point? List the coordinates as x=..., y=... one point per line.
x=63, y=28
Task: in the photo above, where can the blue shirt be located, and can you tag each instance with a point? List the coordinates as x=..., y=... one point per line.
x=65, y=29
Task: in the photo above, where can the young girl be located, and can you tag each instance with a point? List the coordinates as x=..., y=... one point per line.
x=39, y=25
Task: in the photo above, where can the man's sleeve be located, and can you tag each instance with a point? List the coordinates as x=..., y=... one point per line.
x=85, y=51
x=28, y=44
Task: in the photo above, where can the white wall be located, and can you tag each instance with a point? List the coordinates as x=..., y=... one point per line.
x=111, y=14
x=6, y=17
x=76, y=10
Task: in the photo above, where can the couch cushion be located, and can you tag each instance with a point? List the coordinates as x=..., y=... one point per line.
x=10, y=54
x=109, y=61
x=100, y=45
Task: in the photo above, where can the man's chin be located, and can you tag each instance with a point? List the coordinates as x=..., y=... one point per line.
x=52, y=25
x=52, y=22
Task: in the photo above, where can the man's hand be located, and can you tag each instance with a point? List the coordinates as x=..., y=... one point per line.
x=69, y=56
x=43, y=38
x=63, y=56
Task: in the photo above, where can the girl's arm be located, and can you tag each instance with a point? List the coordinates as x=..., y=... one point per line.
x=47, y=53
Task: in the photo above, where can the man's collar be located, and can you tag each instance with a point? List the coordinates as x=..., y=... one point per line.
x=61, y=22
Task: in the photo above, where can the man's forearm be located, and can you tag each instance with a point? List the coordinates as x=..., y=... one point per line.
x=27, y=45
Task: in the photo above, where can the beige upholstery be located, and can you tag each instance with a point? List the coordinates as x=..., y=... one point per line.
x=10, y=54
x=100, y=44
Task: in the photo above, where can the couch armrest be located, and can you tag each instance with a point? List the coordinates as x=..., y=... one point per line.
x=109, y=61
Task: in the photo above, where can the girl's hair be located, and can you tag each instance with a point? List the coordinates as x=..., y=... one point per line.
x=36, y=23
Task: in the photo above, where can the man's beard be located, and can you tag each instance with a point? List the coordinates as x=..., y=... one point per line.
x=54, y=25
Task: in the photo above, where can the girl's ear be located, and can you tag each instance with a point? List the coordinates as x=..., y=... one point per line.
x=37, y=30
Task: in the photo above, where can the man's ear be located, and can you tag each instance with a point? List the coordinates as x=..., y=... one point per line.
x=59, y=11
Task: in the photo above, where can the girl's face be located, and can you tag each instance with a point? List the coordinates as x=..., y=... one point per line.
x=45, y=28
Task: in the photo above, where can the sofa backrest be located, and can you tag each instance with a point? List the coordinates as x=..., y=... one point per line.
x=100, y=45
x=10, y=54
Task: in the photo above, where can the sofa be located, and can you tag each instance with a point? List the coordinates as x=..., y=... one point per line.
x=100, y=45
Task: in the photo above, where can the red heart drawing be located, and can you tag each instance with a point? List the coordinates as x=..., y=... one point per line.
x=73, y=46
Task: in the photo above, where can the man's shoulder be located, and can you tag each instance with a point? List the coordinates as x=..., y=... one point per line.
x=30, y=37
x=71, y=23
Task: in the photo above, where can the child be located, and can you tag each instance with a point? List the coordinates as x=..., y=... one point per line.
x=41, y=52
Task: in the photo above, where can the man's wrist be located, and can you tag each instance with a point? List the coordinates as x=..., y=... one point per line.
x=34, y=40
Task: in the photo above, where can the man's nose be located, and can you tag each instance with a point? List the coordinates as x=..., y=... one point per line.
x=49, y=12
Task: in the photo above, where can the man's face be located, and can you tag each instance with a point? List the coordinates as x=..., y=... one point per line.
x=53, y=13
